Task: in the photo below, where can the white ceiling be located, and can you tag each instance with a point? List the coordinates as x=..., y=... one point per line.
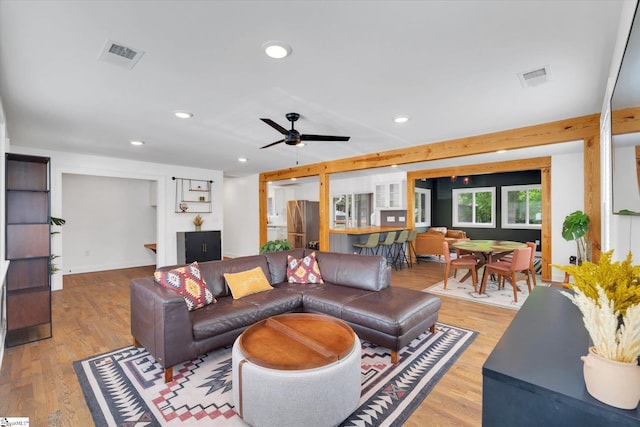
x=449, y=65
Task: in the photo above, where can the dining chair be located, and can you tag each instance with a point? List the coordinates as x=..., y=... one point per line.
x=464, y=263
x=386, y=246
x=371, y=245
x=401, y=255
x=531, y=269
x=509, y=270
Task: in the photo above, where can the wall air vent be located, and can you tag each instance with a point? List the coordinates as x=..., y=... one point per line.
x=120, y=55
x=535, y=77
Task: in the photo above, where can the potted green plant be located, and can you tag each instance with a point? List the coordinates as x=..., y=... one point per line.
x=576, y=227
x=275, y=246
x=608, y=296
x=53, y=268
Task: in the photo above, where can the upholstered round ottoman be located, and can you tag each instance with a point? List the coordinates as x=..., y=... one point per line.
x=296, y=370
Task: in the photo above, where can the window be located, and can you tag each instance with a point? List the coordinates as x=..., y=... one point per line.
x=474, y=207
x=522, y=206
x=422, y=207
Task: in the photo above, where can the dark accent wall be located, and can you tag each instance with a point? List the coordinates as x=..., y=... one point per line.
x=441, y=203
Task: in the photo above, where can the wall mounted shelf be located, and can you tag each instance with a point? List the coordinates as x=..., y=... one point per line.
x=193, y=195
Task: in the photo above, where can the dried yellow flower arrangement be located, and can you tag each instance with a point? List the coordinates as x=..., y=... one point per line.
x=197, y=221
x=608, y=295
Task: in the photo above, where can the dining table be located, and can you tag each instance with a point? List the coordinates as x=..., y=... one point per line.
x=486, y=251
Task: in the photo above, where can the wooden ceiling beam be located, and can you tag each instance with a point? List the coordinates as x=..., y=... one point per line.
x=549, y=133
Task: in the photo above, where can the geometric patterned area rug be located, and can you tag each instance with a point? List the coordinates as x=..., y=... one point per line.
x=493, y=296
x=126, y=387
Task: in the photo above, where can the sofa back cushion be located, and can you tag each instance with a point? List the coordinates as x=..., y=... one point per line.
x=356, y=271
x=277, y=262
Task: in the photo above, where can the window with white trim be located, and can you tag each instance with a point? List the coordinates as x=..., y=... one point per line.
x=422, y=207
x=474, y=207
x=522, y=206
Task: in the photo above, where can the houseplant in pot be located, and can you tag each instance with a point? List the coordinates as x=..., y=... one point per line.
x=275, y=246
x=576, y=227
x=608, y=296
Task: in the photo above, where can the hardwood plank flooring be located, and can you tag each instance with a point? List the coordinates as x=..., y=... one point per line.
x=91, y=316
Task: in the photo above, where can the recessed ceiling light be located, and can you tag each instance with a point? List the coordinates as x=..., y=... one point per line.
x=277, y=50
x=183, y=114
x=137, y=142
x=394, y=166
x=294, y=179
x=501, y=151
x=242, y=159
x=401, y=119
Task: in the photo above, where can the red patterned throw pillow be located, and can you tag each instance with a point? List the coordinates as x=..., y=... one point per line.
x=305, y=270
x=187, y=282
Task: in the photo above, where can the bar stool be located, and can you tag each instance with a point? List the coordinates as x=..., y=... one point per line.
x=412, y=249
x=371, y=245
x=388, y=244
x=401, y=255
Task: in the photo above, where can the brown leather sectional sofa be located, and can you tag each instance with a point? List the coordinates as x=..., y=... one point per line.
x=357, y=289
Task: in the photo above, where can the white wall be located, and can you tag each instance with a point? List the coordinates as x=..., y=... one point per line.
x=108, y=221
x=241, y=232
x=567, y=196
x=168, y=221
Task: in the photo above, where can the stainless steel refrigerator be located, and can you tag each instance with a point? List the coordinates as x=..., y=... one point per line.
x=302, y=222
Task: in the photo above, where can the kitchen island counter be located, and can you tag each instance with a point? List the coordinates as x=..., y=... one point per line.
x=342, y=239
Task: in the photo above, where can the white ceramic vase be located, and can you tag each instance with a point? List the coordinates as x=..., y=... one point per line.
x=611, y=382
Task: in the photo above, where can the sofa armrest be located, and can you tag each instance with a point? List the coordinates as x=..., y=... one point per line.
x=160, y=321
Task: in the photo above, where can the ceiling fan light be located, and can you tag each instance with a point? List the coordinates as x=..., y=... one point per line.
x=243, y=159
x=277, y=50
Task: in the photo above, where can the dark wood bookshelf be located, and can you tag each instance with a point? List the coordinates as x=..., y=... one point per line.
x=28, y=248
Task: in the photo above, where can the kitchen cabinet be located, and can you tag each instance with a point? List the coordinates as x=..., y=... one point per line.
x=199, y=246
x=280, y=198
x=390, y=195
x=28, y=247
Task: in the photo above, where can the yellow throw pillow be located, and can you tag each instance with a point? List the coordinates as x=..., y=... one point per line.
x=247, y=282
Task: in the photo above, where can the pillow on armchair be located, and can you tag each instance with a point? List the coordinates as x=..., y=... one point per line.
x=441, y=230
x=456, y=234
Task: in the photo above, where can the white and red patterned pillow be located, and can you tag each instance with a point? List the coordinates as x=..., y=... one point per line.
x=187, y=282
x=305, y=270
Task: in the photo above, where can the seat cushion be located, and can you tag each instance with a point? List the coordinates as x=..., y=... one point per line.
x=276, y=301
x=393, y=310
x=226, y=315
x=329, y=298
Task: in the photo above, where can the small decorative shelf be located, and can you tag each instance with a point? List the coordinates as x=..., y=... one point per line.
x=193, y=195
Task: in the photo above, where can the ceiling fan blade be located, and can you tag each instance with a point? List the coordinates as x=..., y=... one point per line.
x=323, y=138
x=275, y=126
x=273, y=143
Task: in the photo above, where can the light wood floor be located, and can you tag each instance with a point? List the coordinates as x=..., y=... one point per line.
x=91, y=316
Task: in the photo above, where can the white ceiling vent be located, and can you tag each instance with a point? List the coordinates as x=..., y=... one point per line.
x=120, y=55
x=535, y=77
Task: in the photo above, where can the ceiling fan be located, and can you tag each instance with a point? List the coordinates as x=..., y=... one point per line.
x=293, y=137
